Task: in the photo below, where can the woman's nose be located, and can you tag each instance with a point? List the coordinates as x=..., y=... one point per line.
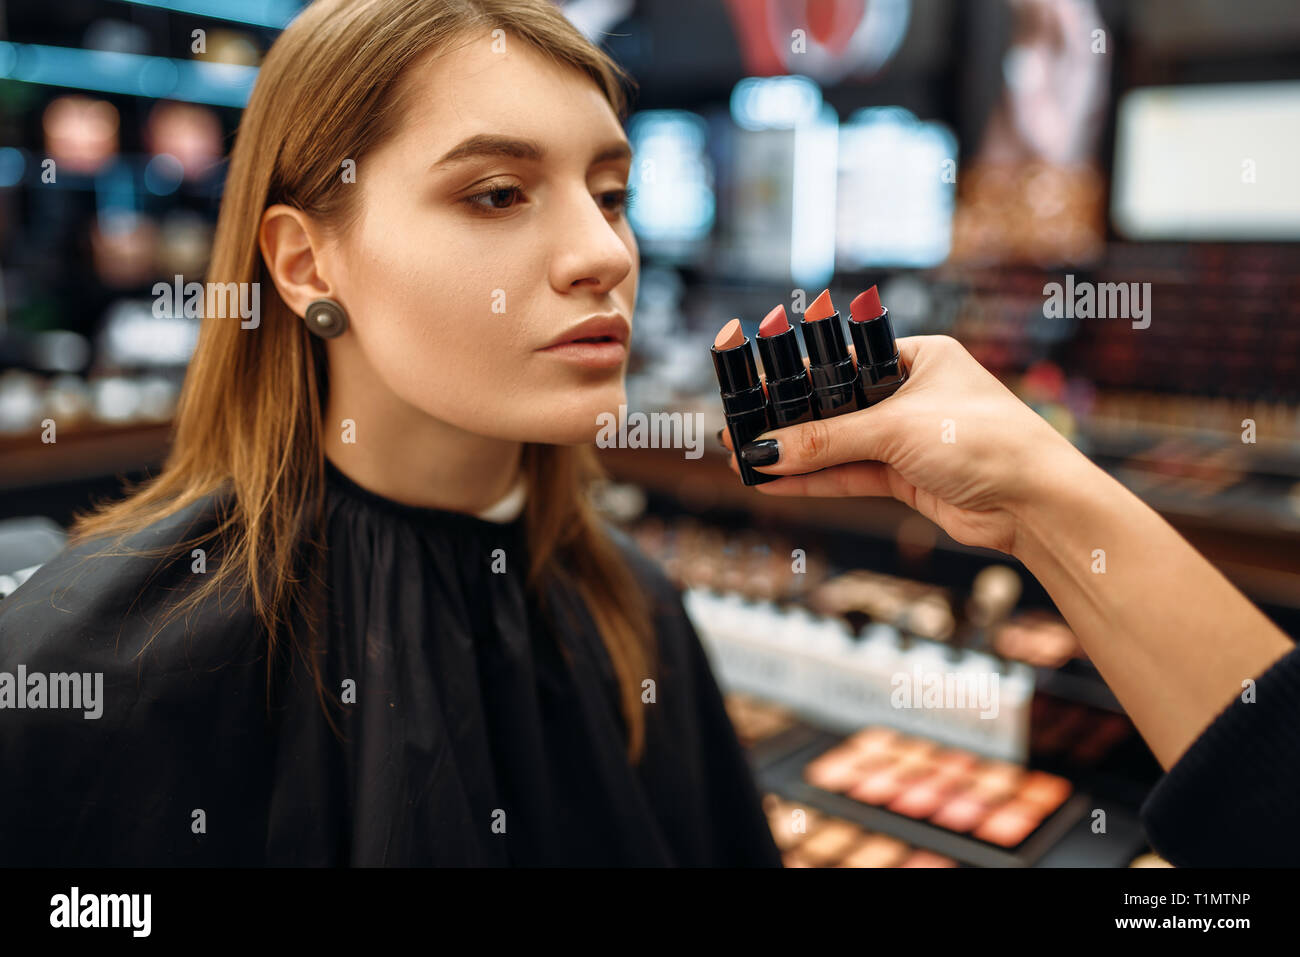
x=587, y=247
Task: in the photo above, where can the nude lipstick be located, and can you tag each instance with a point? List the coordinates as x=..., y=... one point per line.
x=880, y=370
x=789, y=391
x=743, y=402
x=836, y=386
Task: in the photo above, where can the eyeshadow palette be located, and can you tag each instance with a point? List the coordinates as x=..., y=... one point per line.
x=993, y=801
x=755, y=720
x=807, y=837
x=768, y=732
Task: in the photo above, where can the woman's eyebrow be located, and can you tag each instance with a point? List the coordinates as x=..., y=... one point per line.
x=489, y=144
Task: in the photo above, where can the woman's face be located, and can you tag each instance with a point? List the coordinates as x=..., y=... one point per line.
x=461, y=269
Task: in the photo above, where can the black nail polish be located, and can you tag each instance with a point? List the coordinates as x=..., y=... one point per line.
x=720, y=435
x=762, y=452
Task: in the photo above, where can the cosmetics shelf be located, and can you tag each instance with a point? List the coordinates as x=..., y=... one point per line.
x=86, y=452
x=1258, y=554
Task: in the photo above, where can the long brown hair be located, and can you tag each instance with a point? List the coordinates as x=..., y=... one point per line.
x=250, y=415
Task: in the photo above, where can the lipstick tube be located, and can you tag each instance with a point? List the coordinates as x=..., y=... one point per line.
x=743, y=403
x=880, y=368
x=789, y=391
x=835, y=381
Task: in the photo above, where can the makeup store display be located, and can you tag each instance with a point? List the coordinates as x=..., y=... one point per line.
x=810, y=673
x=840, y=679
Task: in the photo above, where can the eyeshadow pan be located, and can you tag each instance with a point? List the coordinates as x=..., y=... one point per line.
x=833, y=771
x=1007, y=826
x=873, y=739
x=954, y=763
x=878, y=850
x=921, y=858
x=830, y=843
x=961, y=813
x=996, y=781
x=1048, y=791
x=880, y=787
x=782, y=825
x=923, y=798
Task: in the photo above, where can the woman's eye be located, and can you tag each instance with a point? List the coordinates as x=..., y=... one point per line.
x=496, y=198
x=617, y=200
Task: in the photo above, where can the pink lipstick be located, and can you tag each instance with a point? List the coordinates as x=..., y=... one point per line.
x=743, y=403
x=789, y=391
x=835, y=382
x=880, y=369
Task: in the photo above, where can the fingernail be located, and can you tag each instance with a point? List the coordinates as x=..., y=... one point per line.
x=762, y=452
x=720, y=435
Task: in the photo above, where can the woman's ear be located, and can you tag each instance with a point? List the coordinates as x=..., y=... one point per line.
x=291, y=246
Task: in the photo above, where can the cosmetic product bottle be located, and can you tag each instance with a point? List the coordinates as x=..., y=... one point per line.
x=880, y=369
x=743, y=402
x=789, y=390
x=836, y=385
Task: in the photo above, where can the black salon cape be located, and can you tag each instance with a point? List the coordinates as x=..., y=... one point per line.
x=470, y=743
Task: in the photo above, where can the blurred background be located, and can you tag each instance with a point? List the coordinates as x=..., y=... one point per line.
x=963, y=154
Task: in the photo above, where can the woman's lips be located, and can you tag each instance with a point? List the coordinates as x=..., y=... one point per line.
x=601, y=353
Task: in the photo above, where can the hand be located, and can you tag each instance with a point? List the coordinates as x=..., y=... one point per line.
x=953, y=443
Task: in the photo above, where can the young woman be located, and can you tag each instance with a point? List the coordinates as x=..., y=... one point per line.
x=366, y=614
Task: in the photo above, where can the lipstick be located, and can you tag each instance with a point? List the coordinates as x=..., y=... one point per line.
x=789, y=391
x=743, y=403
x=880, y=369
x=836, y=386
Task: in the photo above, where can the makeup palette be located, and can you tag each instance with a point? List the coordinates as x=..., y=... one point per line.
x=808, y=837
x=994, y=801
x=755, y=720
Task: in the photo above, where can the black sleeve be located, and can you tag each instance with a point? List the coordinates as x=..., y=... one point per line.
x=169, y=730
x=1233, y=798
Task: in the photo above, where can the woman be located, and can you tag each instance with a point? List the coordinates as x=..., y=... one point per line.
x=366, y=614
x=1210, y=683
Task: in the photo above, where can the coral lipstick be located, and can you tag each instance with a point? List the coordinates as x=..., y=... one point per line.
x=744, y=404
x=789, y=391
x=880, y=369
x=836, y=387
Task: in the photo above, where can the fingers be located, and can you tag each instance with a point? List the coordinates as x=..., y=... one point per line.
x=908, y=347
x=865, y=435
x=854, y=479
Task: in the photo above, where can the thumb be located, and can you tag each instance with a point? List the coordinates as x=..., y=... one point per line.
x=864, y=435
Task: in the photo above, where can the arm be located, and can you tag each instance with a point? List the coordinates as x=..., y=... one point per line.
x=1171, y=636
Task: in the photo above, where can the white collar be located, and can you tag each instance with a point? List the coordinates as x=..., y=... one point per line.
x=508, y=507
